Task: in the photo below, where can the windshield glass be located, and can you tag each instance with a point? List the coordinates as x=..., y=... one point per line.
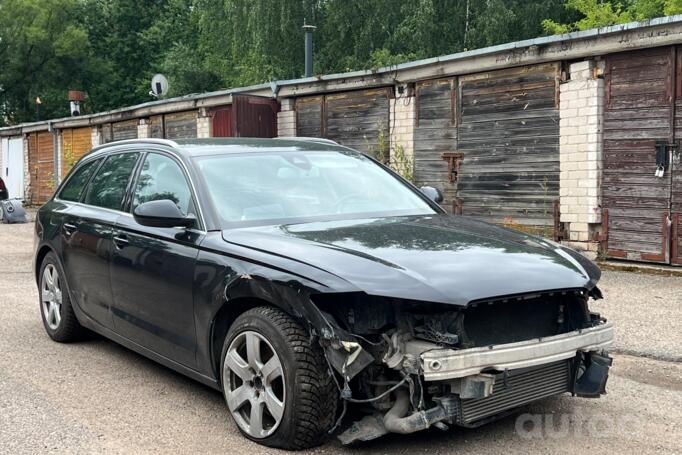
x=272, y=187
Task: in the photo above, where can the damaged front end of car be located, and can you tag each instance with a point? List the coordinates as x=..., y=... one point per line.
x=411, y=365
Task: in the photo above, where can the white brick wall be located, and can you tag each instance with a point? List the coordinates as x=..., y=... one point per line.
x=144, y=129
x=27, y=170
x=203, y=124
x=286, y=119
x=60, y=158
x=402, y=116
x=95, y=137
x=580, y=152
x=1, y=168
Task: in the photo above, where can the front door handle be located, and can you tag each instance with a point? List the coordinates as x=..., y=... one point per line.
x=121, y=241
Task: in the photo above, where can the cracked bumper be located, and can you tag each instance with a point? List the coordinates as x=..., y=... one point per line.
x=442, y=364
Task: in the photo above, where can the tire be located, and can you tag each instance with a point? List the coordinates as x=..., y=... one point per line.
x=62, y=326
x=306, y=391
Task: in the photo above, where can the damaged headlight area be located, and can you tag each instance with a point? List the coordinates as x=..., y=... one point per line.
x=412, y=365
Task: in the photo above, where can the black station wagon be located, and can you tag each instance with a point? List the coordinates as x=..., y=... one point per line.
x=301, y=277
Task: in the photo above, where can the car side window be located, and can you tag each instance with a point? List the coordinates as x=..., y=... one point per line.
x=162, y=178
x=108, y=186
x=73, y=189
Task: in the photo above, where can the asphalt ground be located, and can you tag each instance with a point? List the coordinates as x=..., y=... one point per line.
x=97, y=397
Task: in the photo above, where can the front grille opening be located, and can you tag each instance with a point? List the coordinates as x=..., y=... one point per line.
x=523, y=318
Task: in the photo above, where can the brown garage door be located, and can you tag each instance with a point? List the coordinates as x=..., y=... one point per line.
x=76, y=142
x=358, y=119
x=435, y=135
x=639, y=114
x=509, y=135
x=181, y=125
x=41, y=166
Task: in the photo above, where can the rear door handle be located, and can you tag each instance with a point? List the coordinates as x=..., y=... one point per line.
x=69, y=229
x=121, y=241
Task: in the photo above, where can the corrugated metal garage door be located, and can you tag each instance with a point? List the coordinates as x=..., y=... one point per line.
x=640, y=88
x=41, y=166
x=182, y=125
x=435, y=134
x=221, y=121
x=76, y=142
x=359, y=119
x=509, y=134
x=254, y=116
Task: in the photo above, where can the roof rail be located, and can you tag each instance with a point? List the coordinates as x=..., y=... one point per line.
x=320, y=140
x=137, y=141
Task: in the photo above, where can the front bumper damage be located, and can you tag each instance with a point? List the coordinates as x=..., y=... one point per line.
x=470, y=387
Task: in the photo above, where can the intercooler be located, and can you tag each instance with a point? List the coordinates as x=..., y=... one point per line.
x=513, y=389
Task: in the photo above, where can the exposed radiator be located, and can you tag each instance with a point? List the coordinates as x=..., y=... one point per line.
x=520, y=387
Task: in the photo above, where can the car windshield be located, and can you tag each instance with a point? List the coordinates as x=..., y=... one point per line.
x=279, y=187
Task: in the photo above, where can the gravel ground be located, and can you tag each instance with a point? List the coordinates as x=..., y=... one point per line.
x=97, y=397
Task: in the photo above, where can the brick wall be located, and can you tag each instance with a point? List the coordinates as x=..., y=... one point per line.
x=95, y=137
x=286, y=119
x=203, y=124
x=144, y=129
x=402, y=117
x=27, y=170
x=580, y=157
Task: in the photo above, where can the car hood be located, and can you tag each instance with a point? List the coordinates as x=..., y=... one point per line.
x=435, y=258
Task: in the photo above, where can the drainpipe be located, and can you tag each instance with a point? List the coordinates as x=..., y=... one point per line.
x=309, y=49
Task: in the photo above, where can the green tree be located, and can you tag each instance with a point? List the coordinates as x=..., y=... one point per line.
x=43, y=53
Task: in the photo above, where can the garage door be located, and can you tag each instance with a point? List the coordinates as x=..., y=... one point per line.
x=182, y=125
x=640, y=120
x=359, y=119
x=509, y=135
x=13, y=166
x=41, y=166
x=76, y=142
x=435, y=138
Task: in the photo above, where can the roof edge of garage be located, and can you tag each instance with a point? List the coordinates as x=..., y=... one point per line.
x=600, y=41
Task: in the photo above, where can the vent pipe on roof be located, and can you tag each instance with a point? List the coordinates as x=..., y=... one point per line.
x=309, y=49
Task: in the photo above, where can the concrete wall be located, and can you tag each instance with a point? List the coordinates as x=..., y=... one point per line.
x=581, y=119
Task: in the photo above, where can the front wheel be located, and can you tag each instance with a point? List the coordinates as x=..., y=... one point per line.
x=276, y=382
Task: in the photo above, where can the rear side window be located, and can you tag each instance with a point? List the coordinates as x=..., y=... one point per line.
x=73, y=189
x=162, y=178
x=108, y=187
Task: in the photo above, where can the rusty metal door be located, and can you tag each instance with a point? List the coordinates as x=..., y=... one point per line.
x=221, y=119
x=254, y=116
x=639, y=118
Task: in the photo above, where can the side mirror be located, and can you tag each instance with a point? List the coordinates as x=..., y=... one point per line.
x=432, y=193
x=162, y=213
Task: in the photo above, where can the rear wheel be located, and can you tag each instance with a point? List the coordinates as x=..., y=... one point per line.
x=58, y=317
x=276, y=382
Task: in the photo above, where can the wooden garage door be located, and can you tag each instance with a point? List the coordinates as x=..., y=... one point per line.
x=509, y=135
x=76, y=142
x=41, y=166
x=359, y=119
x=182, y=125
x=120, y=131
x=638, y=112
x=435, y=136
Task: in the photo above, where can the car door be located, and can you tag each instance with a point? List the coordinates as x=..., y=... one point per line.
x=86, y=233
x=152, y=269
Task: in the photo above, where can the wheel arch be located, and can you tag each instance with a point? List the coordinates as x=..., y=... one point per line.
x=40, y=256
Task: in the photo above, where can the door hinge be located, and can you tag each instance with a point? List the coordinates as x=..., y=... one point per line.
x=454, y=160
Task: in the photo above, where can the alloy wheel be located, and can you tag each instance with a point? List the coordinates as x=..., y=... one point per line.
x=253, y=380
x=51, y=297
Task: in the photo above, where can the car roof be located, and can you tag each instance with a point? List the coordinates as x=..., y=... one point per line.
x=219, y=146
